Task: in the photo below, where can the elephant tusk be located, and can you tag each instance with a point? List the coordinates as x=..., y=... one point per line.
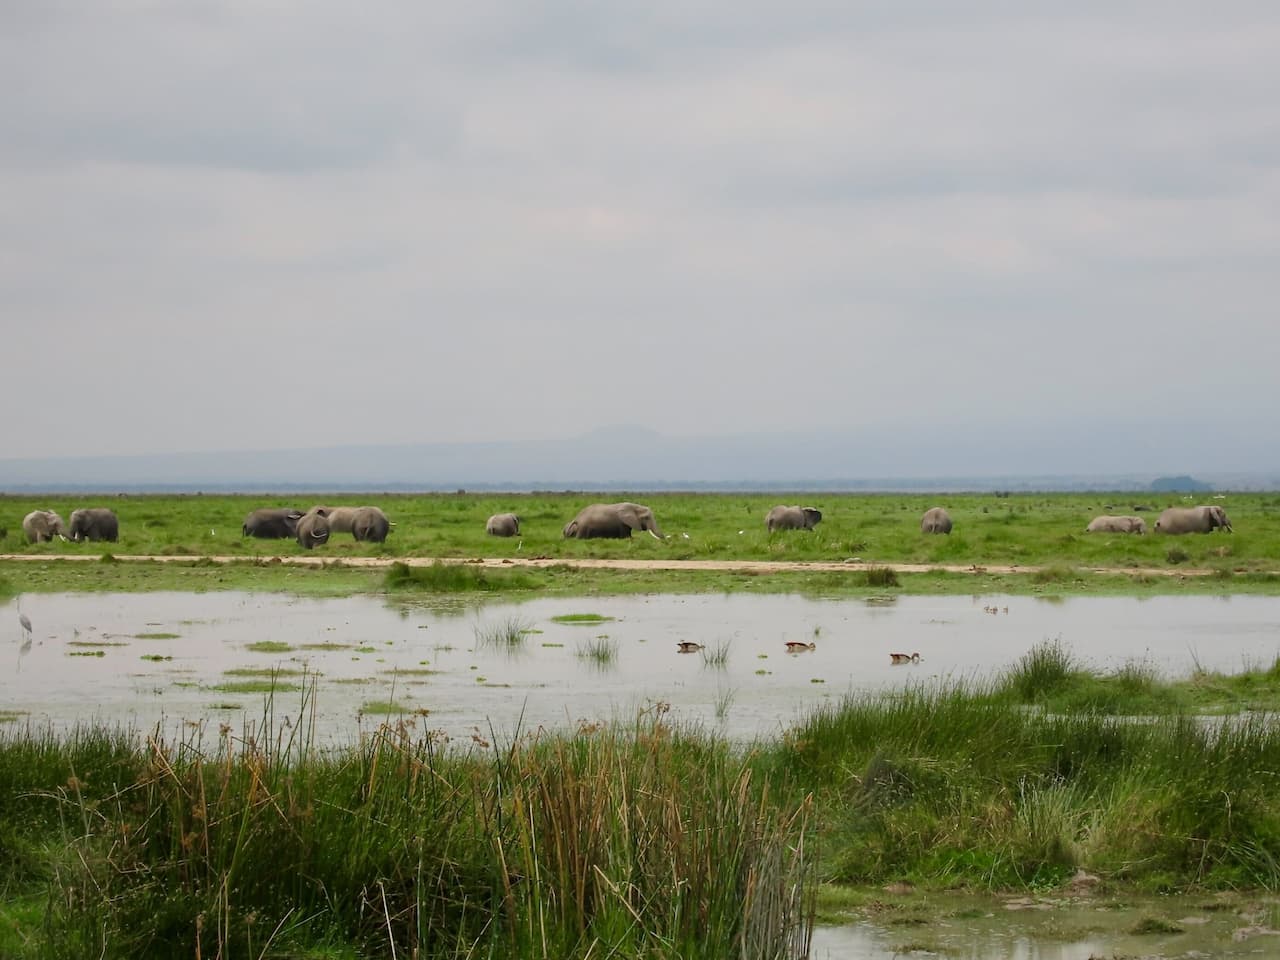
x=654, y=535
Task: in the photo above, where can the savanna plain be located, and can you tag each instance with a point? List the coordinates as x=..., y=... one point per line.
x=1051, y=781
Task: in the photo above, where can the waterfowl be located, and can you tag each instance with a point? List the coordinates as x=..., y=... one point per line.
x=688, y=646
x=904, y=658
x=799, y=646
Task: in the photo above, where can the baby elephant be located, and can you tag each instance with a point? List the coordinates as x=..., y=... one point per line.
x=41, y=525
x=792, y=518
x=94, y=523
x=1105, y=524
x=503, y=525
x=935, y=520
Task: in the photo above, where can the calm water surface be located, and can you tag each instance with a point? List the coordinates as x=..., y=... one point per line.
x=93, y=655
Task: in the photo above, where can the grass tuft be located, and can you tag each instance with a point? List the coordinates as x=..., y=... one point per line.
x=881, y=577
x=509, y=634
x=443, y=577
x=1044, y=670
x=716, y=654
x=581, y=618
x=601, y=651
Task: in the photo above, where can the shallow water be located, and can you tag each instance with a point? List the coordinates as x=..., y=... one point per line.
x=431, y=658
x=975, y=928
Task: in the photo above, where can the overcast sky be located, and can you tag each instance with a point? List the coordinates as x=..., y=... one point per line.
x=249, y=224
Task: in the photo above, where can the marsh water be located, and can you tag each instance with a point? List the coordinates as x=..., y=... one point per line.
x=1028, y=928
x=467, y=668
x=144, y=658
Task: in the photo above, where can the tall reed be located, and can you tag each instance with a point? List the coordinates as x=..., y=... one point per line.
x=641, y=840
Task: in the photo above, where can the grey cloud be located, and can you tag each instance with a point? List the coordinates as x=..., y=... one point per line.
x=697, y=217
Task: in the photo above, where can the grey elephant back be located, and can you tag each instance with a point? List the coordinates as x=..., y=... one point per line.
x=370, y=524
x=312, y=530
x=936, y=520
x=341, y=519
x=271, y=523
x=503, y=525
x=1199, y=519
x=616, y=521
x=793, y=517
x=94, y=523
x=41, y=525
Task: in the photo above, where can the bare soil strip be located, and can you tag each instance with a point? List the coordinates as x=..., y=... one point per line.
x=596, y=563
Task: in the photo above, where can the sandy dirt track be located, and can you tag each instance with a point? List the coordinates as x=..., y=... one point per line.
x=592, y=563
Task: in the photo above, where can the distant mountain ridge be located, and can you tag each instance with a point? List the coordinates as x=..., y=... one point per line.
x=635, y=458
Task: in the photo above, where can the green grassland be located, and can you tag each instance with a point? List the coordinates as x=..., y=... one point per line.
x=1026, y=530
x=638, y=839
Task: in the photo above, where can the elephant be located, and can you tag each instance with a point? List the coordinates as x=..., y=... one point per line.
x=94, y=523
x=792, y=518
x=1178, y=520
x=41, y=525
x=1105, y=524
x=935, y=520
x=369, y=523
x=615, y=521
x=503, y=525
x=271, y=523
x=311, y=530
x=340, y=518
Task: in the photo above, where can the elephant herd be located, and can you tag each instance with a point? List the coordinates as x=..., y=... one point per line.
x=616, y=521
x=90, y=523
x=312, y=528
x=1173, y=521
x=935, y=519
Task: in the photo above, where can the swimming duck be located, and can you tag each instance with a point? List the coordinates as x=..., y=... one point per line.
x=688, y=646
x=799, y=646
x=904, y=658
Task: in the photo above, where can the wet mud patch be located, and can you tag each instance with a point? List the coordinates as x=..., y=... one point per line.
x=256, y=686
x=263, y=672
